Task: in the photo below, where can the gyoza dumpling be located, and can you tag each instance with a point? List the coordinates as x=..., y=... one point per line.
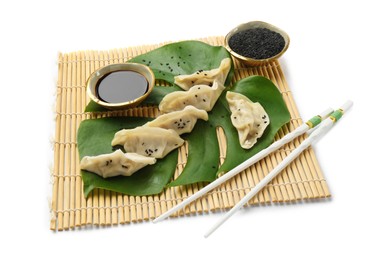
x=148, y=141
x=200, y=96
x=249, y=118
x=182, y=121
x=116, y=163
x=204, y=77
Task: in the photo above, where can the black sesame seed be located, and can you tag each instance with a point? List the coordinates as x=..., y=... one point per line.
x=161, y=64
x=258, y=43
x=265, y=122
x=196, y=96
x=258, y=125
x=179, y=57
x=189, y=55
x=183, y=62
x=156, y=149
x=264, y=117
x=124, y=166
x=235, y=117
x=213, y=167
x=210, y=84
x=167, y=64
x=205, y=74
x=172, y=57
x=192, y=82
x=175, y=122
x=171, y=70
x=204, y=100
x=144, y=60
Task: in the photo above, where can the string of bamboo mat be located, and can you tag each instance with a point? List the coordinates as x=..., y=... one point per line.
x=301, y=180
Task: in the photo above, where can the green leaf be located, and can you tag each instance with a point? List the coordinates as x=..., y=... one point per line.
x=203, y=157
x=180, y=58
x=183, y=58
x=203, y=148
x=94, y=138
x=258, y=89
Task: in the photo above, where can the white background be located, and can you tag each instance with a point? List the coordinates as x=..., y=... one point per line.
x=330, y=60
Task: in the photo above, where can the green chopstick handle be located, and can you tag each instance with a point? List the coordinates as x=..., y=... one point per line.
x=336, y=115
x=314, y=121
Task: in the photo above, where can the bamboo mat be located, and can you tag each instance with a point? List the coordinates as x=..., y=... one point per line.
x=301, y=180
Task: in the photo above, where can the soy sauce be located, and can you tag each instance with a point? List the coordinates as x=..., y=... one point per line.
x=121, y=86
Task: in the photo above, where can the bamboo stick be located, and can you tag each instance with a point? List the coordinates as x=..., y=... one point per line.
x=73, y=139
x=60, y=205
x=54, y=203
x=84, y=76
x=90, y=200
x=198, y=203
x=126, y=200
x=79, y=110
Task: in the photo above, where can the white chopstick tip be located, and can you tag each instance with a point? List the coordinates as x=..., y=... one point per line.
x=158, y=219
x=347, y=105
x=209, y=232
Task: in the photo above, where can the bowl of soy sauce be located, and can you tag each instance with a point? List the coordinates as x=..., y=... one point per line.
x=120, y=86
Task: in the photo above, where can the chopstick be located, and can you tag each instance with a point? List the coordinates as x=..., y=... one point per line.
x=321, y=130
x=313, y=122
